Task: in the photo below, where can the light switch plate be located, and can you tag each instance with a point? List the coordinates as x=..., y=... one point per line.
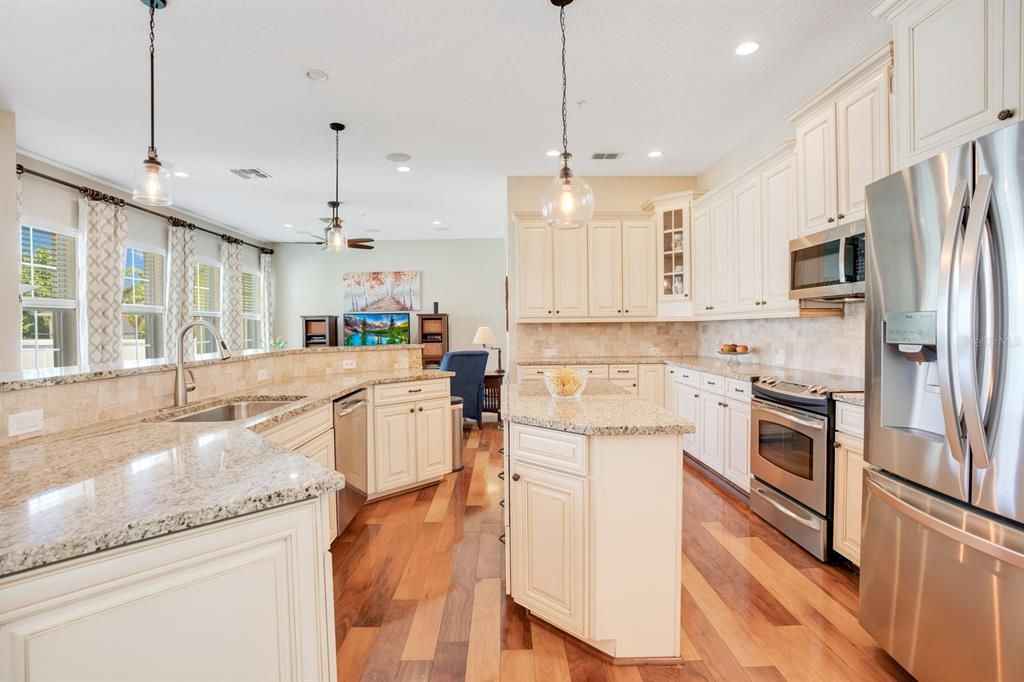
x=24, y=422
x=348, y=364
x=654, y=350
x=262, y=375
x=550, y=352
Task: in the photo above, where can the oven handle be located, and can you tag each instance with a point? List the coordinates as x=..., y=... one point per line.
x=766, y=496
x=817, y=426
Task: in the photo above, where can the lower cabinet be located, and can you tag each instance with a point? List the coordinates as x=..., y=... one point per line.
x=629, y=384
x=651, y=383
x=736, y=464
x=412, y=442
x=710, y=433
x=548, y=532
x=849, y=463
x=721, y=441
x=321, y=451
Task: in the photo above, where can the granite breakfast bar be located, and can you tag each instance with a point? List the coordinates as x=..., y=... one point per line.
x=594, y=516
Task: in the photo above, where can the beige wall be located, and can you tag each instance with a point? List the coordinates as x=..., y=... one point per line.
x=744, y=155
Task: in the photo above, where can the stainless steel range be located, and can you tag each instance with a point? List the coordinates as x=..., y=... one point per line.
x=791, y=459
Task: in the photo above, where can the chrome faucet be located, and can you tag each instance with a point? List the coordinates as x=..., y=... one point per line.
x=182, y=387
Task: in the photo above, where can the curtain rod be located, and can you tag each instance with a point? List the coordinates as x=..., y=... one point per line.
x=100, y=196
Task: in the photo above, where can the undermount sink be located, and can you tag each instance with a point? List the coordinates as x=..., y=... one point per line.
x=232, y=412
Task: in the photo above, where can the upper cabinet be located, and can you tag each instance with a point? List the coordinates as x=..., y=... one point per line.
x=639, y=267
x=605, y=268
x=957, y=72
x=534, y=272
x=676, y=268
x=569, y=271
x=842, y=145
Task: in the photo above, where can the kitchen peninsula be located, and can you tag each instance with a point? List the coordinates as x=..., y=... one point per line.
x=594, y=519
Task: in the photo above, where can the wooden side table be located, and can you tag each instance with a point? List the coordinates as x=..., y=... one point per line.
x=492, y=393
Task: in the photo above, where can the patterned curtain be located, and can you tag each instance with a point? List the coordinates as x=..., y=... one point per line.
x=231, y=294
x=267, y=301
x=181, y=266
x=106, y=231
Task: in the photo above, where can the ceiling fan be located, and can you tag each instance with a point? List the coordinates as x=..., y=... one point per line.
x=354, y=243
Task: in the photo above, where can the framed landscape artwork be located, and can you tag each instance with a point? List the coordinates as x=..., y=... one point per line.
x=376, y=329
x=397, y=291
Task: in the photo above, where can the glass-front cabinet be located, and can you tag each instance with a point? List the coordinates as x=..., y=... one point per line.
x=675, y=253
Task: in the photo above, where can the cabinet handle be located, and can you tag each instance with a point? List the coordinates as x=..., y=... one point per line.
x=841, y=216
x=634, y=385
x=764, y=302
x=1005, y=114
x=501, y=504
x=757, y=303
x=515, y=477
x=711, y=383
x=501, y=475
x=696, y=395
x=501, y=538
x=837, y=445
x=421, y=409
x=671, y=371
x=627, y=310
x=618, y=311
x=557, y=311
x=549, y=312
x=415, y=390
x=831, y=220
x=739, y=390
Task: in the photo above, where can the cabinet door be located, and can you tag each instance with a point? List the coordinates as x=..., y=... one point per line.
x=689, y=406
x=957, y=66
x=710, y=432
x=605, y=268
x=779, y=226
x=433, y=438
x=569, y=273
x=701, y=252
x=321, y=451
x=639, y=269
x=629, y=384
x=548, y=544
x=723, y=262
x=816, y=171
x=652, y=384
x=747, y=251
x=395, y=444
x=737, y=443
x=848, y=496
x=862, y=144
x=671, y=398
x=534, y=270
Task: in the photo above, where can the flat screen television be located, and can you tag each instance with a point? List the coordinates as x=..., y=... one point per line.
x=376, y=329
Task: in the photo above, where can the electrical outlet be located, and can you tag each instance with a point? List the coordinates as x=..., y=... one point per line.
x=24, y=422
x=550, y=352
x=654, y=350
x=348, y=364
x=262, y=375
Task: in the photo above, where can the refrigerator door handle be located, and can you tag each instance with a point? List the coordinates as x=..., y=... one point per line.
x=967, y=341
x=946, y=346
x=954, y=533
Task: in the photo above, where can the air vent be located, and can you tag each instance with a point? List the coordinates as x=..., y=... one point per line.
x=606, y=156
x=251, y=173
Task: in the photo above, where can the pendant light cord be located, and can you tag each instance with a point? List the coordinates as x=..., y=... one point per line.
x=565, y=115
x=337, y=172
x=152, y=71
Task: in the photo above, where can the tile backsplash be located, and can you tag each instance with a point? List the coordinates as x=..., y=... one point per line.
x=822, y=344
x=601, y=339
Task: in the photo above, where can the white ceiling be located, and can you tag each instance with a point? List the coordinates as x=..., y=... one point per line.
x=469, y=88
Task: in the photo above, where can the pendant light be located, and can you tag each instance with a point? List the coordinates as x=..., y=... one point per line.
x=567, y=201
x=152, y=185
x=334, y=233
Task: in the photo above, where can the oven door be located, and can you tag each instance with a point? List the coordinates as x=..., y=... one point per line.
x=788, y=451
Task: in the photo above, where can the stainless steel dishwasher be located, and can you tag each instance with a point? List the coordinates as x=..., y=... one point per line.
x=350, y=424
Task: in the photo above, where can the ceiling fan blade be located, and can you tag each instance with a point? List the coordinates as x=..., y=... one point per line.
x=359, y=246
x=361, y=240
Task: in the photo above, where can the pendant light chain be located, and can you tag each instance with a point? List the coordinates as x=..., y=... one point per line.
x=152, y=72
x=565, y=115
x=337, y=166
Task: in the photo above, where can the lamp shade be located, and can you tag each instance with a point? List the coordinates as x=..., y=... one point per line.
x=484, y=336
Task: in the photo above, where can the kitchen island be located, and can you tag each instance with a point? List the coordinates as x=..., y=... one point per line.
x=594, y=517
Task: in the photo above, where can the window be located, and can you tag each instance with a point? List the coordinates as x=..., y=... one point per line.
x=206, y=304
x=252, y=312
x=49, y=312
x=142, y=306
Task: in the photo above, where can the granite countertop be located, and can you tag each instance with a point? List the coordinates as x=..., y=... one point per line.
x=115, y=483
x=851, y=397
x=743, y=369
x=604, y=409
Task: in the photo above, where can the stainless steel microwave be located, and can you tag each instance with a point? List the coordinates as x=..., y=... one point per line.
x=829, y=265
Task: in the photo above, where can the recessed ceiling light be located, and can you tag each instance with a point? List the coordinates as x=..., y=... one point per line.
x=288, y=225
x=437, y=222
x=749, y=47
x=180, y=174
x=399, y=157
x=316, y=75
x=553, y=152
x=404, y=169
x=654, y=154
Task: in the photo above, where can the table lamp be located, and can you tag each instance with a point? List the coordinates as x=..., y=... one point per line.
x=485, y=337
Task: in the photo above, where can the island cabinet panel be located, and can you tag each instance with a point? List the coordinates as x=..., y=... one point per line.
x=395, y=432
x=246, y=599
x=550, y=539
x=689, y=406
x=433, y=438
x=651, y=384
x=710, y=432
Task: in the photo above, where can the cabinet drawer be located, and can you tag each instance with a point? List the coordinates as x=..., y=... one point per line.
x=302, y=428
x=597, y=371
x=690, y=377
x=622, y=371
x=628, y=384
x=713, y=383
x=552, y=449
x=737, y=389
x=850, y=419
x=535, y=372
x=388, y=394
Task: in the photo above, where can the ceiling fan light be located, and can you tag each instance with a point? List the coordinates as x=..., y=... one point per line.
x=152, y=184
x=337, y=240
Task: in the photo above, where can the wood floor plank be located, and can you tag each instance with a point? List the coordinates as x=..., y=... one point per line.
x=413, y=671
x=584, y=665
x=491, y=554
x=426, y=623
x=386, y=654
x=439, y=505
x=517, y=666
x=410, y=585
x=483, y=663
x=625, y=673
x=458, y=608
x=714, y=652
x=549, y=661
x=764, y=674
x=478, y=487
x=696, y=671
x=449, y=662
x=687, y=650
x=515, y=626
x=353, y=652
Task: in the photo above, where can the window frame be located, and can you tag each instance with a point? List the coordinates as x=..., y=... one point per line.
x=256, y=316
x=144, y=308
x=207, y=316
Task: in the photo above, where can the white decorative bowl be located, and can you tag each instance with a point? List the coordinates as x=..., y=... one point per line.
x=566, y=386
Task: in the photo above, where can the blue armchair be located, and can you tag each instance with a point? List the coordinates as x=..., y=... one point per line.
x=468, y=383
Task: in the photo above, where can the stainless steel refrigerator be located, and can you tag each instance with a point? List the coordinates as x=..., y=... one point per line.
x=942, y=555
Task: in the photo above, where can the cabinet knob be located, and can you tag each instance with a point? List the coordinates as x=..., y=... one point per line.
x=671, y=371
x=837, y=445
x=557, y=311
x=696, y=395
x=421, y=409
x=764, y=302
x=618, y=311
x=1005, y=114
x=757, y=303
x=841, y=216
x=515, y=477
x=412, y=409
x=627, y=310
x=831, y=220
x=549, y=312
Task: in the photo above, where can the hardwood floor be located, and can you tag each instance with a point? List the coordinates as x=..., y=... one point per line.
x=419, y=595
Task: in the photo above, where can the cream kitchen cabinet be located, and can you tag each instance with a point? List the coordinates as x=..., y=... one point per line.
x=434, y=438
x=394, y=428
x=849, y=480
x=534, y=272
x=688, y=405
x=702, y=266
x=710, y=432
x=747, y=251
x=778, y=210
x=412, y=436
x=957, y=72
x=569, y=271
x=736, y=448
x=639, y=269
x=651, y=383
x=842, y=145
x=605, y=268
x=714, y=242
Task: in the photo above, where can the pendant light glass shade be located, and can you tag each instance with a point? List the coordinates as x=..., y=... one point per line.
x=567, y=201
x=152, y=185
x=337, y=240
